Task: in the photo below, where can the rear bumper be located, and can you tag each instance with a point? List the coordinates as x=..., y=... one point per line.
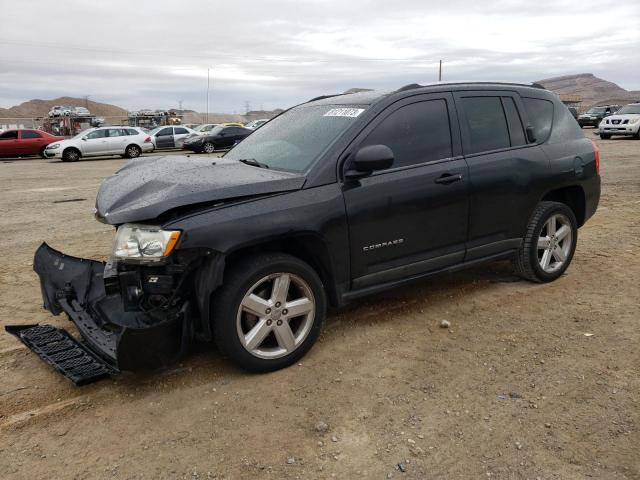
x=127, y=340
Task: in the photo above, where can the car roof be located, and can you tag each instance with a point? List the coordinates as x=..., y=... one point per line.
x=372, y=96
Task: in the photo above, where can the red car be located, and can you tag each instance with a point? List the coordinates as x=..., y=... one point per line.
x=23, y=141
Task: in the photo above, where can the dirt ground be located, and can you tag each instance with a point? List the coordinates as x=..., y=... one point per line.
x=515, y=389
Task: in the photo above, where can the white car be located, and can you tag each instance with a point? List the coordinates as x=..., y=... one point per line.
x=204, y=128
x=625, y=121
x=59, y=111
x=255, y=124
x=170, y=136
x=128, y=142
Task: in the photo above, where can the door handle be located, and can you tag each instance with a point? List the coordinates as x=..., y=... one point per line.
x=447, y=178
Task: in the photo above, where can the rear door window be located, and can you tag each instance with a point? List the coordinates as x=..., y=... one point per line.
x=30, y=134
x=416, y=133
x=540, y=113
x=487, y=123
x=116, y=132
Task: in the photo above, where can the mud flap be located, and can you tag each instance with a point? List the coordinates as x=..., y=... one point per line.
x=63, y=352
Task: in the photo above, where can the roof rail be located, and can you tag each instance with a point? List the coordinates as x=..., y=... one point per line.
x=322, y=97
x=413, y=86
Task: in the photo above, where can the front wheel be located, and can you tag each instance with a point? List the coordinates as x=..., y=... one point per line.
x=269, y=312
x=70, y=155
x=208, y=147
x=549, y=243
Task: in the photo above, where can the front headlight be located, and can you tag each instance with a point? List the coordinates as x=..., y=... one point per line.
x=144, y=242
x=633, y=121
x=55, y=145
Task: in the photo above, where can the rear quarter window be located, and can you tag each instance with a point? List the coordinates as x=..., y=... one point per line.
x=540, y=113
x=565, y=127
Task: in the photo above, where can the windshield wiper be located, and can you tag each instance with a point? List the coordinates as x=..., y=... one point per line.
x=253, y=162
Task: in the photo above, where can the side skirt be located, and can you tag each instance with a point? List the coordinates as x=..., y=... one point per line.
x=363, y=292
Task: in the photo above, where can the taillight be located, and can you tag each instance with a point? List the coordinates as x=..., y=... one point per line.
x=596, y=152
x=148, y=139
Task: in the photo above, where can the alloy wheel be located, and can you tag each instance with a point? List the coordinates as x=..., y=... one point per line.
x=275, y=315
x=133, y=152
x=209, y=147
x=554, y=243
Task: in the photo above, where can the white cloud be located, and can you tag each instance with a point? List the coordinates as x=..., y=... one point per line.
x=277, y=53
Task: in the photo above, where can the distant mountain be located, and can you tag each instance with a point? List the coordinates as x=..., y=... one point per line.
x=591, y=89
x=40, y=108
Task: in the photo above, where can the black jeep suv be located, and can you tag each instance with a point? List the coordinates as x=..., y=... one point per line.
x=337, y=198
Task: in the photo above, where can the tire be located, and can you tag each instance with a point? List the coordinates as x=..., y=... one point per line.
x=528, y=263
x=637, y=135
x=279, y=339
x=208, y=147
x=132, y=151
x=605, y=136
x=41, y=153
x=71, y=155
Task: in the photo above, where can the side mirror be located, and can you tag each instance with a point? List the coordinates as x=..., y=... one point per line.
x=84, y=139
x=370, y=159
x=531, y=134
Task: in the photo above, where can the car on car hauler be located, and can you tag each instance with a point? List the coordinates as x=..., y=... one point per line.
x=334, y=199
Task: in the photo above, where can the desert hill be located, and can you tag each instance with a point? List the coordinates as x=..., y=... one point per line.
x=591, y=89
x=40, y=108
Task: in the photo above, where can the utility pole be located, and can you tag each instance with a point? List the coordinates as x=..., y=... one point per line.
x=440, y=72
x=247, y=107
x=86, y=101
x=180, y=106
x=207, y=120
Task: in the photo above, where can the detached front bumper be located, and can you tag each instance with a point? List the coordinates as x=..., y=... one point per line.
x=122, y=339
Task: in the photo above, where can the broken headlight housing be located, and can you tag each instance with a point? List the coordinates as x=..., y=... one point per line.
x=144, y=243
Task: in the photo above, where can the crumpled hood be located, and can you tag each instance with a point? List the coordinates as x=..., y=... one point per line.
x=149, y=186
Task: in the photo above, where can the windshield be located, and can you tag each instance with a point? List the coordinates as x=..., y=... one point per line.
x=293, y=140
x=596, y=110
x=629, y=109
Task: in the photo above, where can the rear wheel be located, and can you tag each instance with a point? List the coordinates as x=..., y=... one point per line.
x=71, y=155
x=132, y=151
x=549, y=243
x=208, y=147
x=269, y=312
x=42, y=152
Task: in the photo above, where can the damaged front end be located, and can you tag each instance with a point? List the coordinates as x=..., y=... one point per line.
x=130, y=316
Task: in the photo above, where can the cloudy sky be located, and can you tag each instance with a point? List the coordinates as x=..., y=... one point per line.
x=278, y=53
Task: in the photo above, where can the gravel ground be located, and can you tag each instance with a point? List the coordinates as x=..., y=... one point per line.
x=514, y=388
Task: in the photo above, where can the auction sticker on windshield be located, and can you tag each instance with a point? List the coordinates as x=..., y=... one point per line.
x=344, y=112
